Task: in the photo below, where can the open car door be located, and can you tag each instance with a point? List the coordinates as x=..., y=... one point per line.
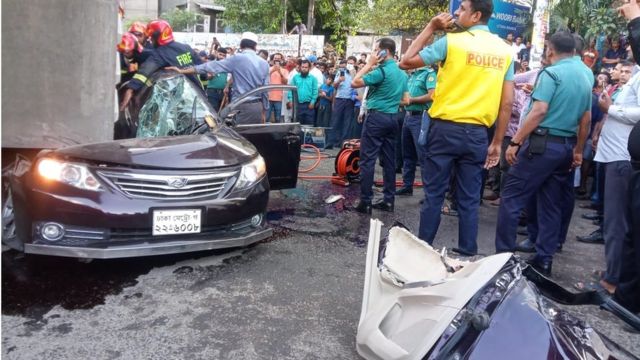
x=278, y=143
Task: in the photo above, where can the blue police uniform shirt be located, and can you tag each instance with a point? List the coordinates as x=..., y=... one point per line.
x=249, y=71
x=344, y=89
x=328, y=90
x=562, y=86
x=438, y=52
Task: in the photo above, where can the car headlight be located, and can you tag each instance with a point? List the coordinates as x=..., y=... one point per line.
x=251, y=172
x=73, y=174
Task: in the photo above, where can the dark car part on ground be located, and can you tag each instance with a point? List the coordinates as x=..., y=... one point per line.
x=414, y=307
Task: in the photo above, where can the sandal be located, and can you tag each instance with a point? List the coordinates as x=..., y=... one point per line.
x=447, y=210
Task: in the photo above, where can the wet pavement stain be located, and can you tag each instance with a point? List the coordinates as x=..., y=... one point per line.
x=32, y=284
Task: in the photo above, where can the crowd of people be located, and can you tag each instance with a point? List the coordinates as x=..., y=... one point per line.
x=466, y=107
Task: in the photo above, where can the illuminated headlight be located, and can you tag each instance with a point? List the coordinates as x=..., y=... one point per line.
x=251, y=172
x=73, y=174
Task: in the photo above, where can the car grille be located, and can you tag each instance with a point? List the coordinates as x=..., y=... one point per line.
x=178, y=186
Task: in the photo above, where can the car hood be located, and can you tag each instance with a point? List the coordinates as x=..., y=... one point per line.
x=177, y=152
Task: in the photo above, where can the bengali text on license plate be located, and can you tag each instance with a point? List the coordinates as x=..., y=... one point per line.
x=168, y=222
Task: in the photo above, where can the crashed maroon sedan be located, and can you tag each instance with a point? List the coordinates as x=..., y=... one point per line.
x=189, y=179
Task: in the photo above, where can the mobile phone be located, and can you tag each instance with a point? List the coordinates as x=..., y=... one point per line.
x=342, y=72
x=382, y=54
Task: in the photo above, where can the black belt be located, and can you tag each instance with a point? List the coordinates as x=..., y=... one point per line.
x=457, y=123
x=216, y=90
x=561, y=139
x=371, y=111
x=415, y=112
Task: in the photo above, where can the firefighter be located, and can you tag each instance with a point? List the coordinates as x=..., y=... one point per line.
x=132, y=55
x=167, y=52
x=139, y=30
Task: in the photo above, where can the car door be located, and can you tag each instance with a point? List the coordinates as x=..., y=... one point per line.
x=278, y=143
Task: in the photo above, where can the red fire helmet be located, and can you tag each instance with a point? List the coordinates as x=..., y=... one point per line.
x=160, y=31
x=129, y=42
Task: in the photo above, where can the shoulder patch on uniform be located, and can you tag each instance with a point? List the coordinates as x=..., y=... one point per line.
x=430, y=78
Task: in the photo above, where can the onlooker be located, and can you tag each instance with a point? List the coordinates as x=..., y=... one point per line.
x=517, y=47
x=278, y=75
x=299, y=28
x=326, y=100
x=307, y=86
x=264, y=54
x=612, y=151
x=613, y=55
x=525, y=54
x=217, y=82
x=343, y=106
x=590, y=55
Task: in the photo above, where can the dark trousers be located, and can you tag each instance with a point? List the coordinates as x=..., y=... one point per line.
x=324, y=116
x=275, y=108
x=544, y=176
x=400, y=119
x=306, y=116
x=341, y=119
x=412, y=153
x=567, y=203
x=504, y=165
x=628, y=289
x=378, y=137
x=462, y=147
x=615, y=224
x=215, y=97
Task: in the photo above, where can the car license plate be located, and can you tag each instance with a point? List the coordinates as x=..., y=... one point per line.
x=170, y=222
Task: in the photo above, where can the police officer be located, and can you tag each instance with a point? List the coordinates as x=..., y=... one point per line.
x=473, y=88
x=421, y=85
x=167, y=52
x=544, y=149
x=248, y=70
x=387, y=89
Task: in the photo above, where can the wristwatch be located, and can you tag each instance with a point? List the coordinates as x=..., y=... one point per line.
x=511, y=143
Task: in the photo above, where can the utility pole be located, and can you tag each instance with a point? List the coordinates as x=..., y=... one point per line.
x=284, y=18
x=310, y=19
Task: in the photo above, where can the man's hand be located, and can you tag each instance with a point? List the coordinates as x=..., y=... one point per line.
x=311, y=106
x=630, y=10
x=289, y=105
x=126, y=99
x=493, y=156
x=604, y=102
x=172, y=68
x=226, y=90
x=511, y=155
x=577, y=158
x=441, y=22
x=594, y=143
x=527, y=88
x=360, y=118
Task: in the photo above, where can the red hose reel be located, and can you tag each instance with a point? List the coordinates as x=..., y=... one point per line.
x=347, y=167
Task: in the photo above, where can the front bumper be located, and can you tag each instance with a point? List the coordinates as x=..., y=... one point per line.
x=149, y=249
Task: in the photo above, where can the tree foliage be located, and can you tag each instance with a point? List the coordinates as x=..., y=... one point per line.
x=180, y=20
x=589, y=18
x=333, y=18
x=410, y=16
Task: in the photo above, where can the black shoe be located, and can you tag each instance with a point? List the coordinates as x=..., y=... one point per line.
x=592, y=216
x=383, y=205
x=363, y=207
x=593, y=238
x=526, y=246
x=523, y=232
x=542, y=266
x=405, y=190
x=559, y=248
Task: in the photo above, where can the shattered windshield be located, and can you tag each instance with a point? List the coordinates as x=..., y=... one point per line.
x=173, y=108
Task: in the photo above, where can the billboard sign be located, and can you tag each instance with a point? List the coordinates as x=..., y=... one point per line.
x=506, y=18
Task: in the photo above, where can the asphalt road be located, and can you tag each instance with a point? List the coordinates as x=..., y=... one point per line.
x=295, y=296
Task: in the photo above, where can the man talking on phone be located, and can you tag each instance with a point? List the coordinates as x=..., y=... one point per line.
x=387, y=90
x=473, y=87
